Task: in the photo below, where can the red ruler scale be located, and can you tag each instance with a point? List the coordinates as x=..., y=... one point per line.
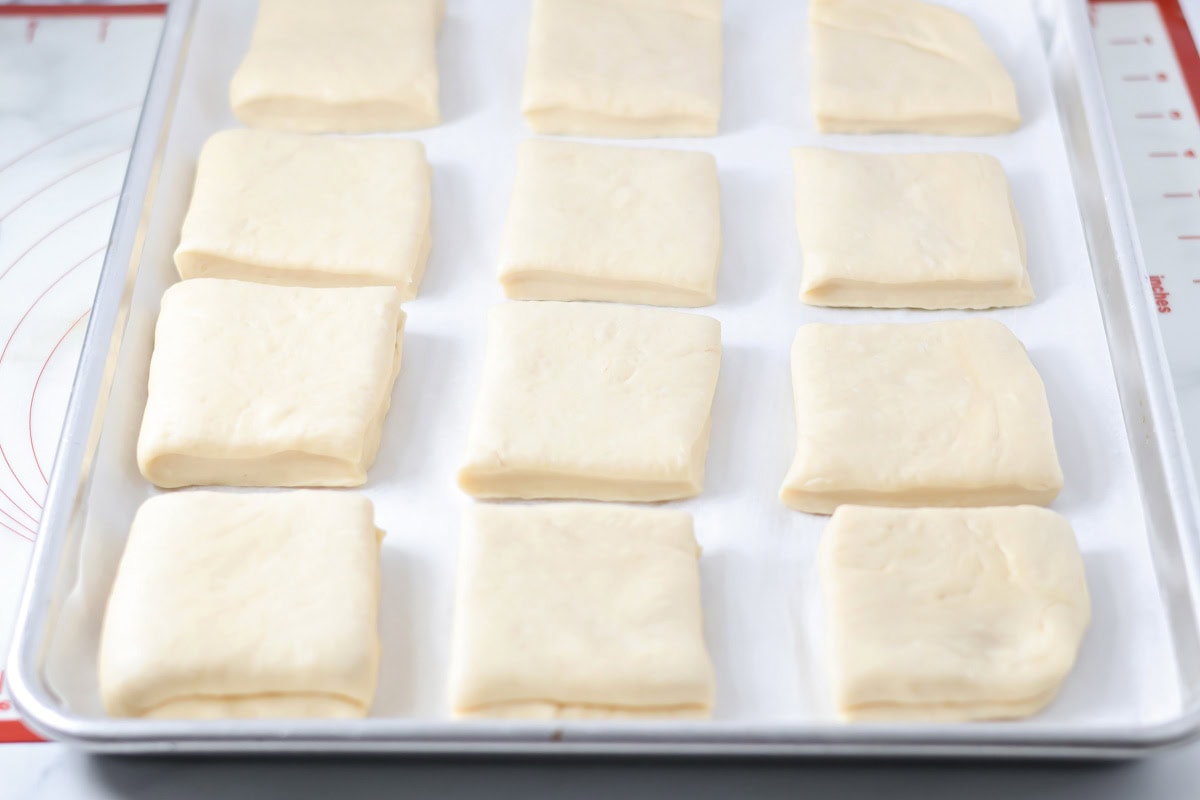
x=1150, y=68
x=1178, y=33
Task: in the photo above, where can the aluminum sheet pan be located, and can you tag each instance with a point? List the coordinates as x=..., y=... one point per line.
x=1129, y=492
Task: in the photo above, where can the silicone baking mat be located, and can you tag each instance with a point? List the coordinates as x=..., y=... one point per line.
x=71, y=84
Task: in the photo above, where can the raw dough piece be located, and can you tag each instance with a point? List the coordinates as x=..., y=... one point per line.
x=245, y=605
x=328, y=66
x=933, y=414
x=596, y=402
x=903, y=65
x=256, y=385
x=579, y=611
x=950, y=614
x=589, y=222
x=624, y=68
x=915, y=230
x=308, y=211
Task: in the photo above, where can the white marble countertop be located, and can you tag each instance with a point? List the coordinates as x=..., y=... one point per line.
x=69, y=93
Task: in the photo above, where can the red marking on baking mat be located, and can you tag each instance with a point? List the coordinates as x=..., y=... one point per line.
x=62, y=178
x=7, y=344
x=1181, y=39
x=38, y=382
x=22, y=529
x=73, y=129
x=1162, y=298
x=15, y=505
x=13, y=731
x=1155, y=154
x=27, y=537
x=55, y=230
x=82, y=10
x=1179, y=194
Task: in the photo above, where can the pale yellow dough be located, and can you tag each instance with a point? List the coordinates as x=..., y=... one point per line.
x=589, y=222
x=932, y=414
x=914, y=230
x=624, y=68
x=950, y=614
x=244, y=605
x=904, y=65
x=257, y=385
x=328, y=66
x=579, y=611
x=594, y=402
x=308, y=211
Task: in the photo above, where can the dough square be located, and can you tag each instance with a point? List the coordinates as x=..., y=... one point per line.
x=258, y=385
x=950, y=613
x=328, y=66
x=308, y=211
x=244, y=605
x=905, y=66
x=630, y=225
x=914, y=230
x=580, y=611
x=932, y=414
x=624, y=68
x=592, y=402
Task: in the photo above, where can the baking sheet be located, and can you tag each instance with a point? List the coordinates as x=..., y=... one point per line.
x=758, y=571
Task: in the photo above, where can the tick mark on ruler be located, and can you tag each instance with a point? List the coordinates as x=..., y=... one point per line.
x=1174, y=113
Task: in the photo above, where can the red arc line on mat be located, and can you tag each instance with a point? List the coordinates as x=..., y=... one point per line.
x=6, y=496
x=62, y=178
x=7, y=344
x=38, y=382
x=17, y=522
x=22, y=530
x=73, y=129
x=55, y=230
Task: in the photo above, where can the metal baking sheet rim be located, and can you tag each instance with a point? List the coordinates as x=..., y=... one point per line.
x=1097, y=162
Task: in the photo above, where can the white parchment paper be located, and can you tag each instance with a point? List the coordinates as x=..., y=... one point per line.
x=759, y=587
